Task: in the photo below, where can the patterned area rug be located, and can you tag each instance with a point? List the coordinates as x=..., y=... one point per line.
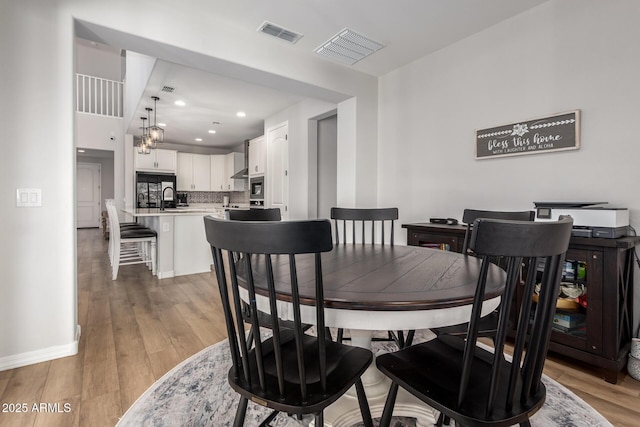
x=196, y=393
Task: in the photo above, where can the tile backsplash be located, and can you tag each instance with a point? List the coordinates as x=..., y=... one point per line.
x=216, y=196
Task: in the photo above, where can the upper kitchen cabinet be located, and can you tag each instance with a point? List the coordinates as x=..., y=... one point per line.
x=234, y=164
x=157, y=160
x=257, y=156
x=223, y=166
x=218, y=164
x=194, y=172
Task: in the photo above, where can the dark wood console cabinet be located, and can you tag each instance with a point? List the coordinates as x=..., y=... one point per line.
x=605, y=337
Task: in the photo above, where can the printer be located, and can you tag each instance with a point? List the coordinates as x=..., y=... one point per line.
x=590, y=219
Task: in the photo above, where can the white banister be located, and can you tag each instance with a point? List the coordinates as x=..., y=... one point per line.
x=95, y=95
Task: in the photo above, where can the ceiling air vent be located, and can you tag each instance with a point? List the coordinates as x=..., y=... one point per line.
x=348, y=47
x=167, y=89
x=279, y=32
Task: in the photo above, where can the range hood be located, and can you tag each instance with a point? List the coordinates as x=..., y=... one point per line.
x=244, y=172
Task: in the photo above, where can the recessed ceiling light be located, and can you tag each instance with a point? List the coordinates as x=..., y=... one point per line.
x=199, y=139
x=241, y=114
x=212, y=131
x=180, y=103
x=162, y=124
x=80, y=151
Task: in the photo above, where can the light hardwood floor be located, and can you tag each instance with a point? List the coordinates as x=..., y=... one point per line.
x=136, y=328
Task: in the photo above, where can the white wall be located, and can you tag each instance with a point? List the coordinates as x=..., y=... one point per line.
x=38, y=307
x=560, y=56
x=99, y=61
x=298, y=117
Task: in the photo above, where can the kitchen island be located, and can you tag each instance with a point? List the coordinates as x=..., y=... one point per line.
x=181, y=243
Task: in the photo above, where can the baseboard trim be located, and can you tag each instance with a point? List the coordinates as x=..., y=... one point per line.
x=166, y=274
x=44, y=355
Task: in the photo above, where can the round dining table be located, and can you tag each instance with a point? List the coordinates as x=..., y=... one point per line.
x=369, y=288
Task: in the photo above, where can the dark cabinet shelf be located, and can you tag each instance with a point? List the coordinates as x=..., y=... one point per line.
x=604, y=337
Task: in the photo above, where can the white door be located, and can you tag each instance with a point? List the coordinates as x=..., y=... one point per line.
x=88, y=195
x=277, y=178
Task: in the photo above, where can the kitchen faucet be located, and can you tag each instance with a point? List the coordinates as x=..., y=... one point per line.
x=162, y=201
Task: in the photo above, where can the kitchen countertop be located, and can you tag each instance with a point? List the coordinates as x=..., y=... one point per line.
x=192, y=209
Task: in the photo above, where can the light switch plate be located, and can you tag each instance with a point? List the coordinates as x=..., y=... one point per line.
x=28, y=197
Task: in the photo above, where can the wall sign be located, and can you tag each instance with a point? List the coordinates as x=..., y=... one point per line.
x=559, y=132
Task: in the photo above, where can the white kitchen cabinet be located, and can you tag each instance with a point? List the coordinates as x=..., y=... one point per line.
x=194, y=172
x=158, y=160
x=257, y=156
x=234, y=164
x=218, y=164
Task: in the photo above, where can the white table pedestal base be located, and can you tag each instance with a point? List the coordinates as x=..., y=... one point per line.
x=345, y=412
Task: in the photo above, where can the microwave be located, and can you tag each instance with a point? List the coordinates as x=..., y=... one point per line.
x=256, y=188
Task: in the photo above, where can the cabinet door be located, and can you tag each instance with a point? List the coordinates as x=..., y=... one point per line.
x=218, y=173
x=257, y=156
x=145, y=161
x=234, y=164
x=166, y=160
x=576, y=325
x=184, y=179
x=201, y=176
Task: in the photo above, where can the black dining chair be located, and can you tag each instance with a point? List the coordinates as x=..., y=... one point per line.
x=266, y=214
x=354, y=218
x=287, y=371
x=475, y=385
x=488, y=324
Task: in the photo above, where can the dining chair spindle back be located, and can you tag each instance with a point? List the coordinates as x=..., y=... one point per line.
x=344, y=217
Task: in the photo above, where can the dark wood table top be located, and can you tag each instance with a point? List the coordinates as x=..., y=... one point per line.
x=385, y=278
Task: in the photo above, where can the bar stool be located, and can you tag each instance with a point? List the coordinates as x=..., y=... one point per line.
x=129, y=245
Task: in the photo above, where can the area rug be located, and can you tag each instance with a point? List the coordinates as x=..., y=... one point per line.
x=196, y=393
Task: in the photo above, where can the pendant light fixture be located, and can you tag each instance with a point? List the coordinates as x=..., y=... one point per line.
x=155, y=131
x=150, y=141
x=143, y=145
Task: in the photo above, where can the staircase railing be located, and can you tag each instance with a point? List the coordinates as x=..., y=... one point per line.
x=95, y=95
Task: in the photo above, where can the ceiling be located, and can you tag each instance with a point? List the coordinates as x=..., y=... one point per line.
x=408, y=29
x=209, y=98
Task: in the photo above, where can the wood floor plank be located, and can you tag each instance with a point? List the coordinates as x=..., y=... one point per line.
x=154, y=333
x=101, y=411
x=3, y=384
x=26, y=384
x=24, y=388
x=163, y=361
x=100, y=374
x=183, y=338
x=135, y=375
x=99, y=311
x=199, y=323
x=59, y=413
x=64, y=380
